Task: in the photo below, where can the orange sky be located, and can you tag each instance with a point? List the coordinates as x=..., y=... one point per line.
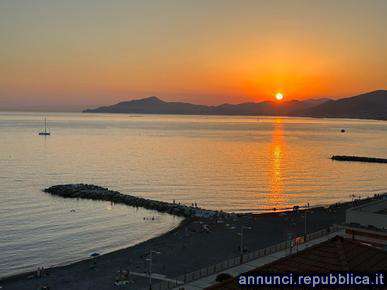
x=72, y=54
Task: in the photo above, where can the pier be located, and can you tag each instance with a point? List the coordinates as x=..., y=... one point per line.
x=89, y=191
x=358, y=159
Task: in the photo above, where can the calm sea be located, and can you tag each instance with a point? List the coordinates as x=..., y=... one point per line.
x=230, y=163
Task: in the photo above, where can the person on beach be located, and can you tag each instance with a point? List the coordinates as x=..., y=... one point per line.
x=39, y=272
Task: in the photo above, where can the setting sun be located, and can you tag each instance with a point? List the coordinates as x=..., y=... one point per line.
x=279, y=96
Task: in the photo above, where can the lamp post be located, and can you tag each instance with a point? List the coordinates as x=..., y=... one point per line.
x=241, y=235
x=305, y=214
x=150, y=266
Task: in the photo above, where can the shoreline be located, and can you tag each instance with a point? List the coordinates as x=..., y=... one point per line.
x=82, y=260
x=186, y=242
x=232, y=115
x=71, y=262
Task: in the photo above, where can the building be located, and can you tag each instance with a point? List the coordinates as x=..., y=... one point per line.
x=368, y=223
x=337, y=254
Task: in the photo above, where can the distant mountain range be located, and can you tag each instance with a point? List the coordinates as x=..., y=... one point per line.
x=371, y=105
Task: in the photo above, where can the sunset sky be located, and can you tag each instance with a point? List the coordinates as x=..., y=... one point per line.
x=77, y=53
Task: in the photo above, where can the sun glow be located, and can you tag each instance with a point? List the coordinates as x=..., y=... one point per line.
x=279, y=96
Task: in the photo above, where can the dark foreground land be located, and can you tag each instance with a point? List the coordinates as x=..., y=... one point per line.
x=185, y=249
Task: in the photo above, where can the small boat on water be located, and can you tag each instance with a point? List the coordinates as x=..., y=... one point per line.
x=45, y=132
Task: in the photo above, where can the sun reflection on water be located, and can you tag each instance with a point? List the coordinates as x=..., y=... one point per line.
x=277, y=149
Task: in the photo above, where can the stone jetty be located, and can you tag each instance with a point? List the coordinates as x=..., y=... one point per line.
x=89, y=191
x=358, y=159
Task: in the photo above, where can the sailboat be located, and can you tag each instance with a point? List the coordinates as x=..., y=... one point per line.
x=45, y=132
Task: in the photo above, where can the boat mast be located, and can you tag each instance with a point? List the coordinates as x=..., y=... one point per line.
x=45, y=125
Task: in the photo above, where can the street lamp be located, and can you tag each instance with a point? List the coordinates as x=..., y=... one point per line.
x=241, y=235
x=150, y=266
x=305, y=212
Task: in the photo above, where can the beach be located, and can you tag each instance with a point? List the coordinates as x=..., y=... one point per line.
x=197, y=242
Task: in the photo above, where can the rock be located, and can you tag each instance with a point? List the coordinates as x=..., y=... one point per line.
x=89, y=191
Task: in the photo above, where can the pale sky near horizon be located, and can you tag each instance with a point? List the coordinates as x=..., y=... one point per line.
x=73, y=54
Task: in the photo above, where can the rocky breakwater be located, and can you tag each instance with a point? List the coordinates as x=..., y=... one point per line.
x=358, y=159
x=89, y=191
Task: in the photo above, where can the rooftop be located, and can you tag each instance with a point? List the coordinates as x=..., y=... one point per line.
x=375, y=206
x=371, y=215
x=336, y=254
x=383, y=211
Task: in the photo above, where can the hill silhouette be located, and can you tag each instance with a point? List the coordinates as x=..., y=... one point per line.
x=154, y=105
x=371, y=105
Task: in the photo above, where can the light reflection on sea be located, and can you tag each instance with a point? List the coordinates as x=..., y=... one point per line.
x=230, y=163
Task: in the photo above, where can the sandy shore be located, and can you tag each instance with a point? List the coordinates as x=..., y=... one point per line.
x=184, y=249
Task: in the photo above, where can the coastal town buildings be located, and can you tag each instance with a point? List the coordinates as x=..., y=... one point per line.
x=368, y=223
